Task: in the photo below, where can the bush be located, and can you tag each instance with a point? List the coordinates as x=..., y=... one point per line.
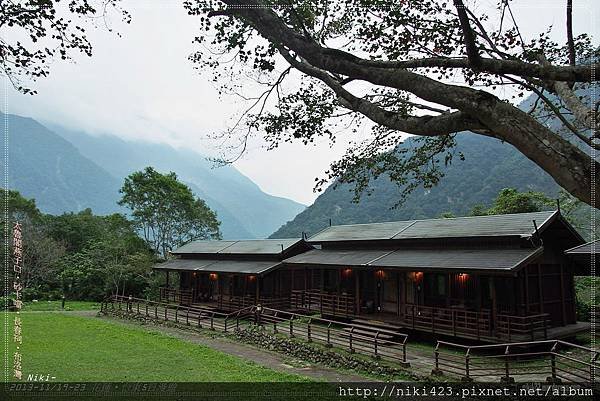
x=583, y=310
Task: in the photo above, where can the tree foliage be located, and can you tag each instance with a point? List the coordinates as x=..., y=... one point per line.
x=510, y=200
x=166, y=211
x=35, y=32
x=431, y=68
x=79, y=255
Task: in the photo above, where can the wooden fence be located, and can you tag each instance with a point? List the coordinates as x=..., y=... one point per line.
x=366, y=340
x=182, y=314
x=323, y=302
x=555, y=360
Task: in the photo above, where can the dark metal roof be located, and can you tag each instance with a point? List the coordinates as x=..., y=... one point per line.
x=501, y=259
x=219, y=266
x=585, y=249
x=257, y=247
x=520, y=224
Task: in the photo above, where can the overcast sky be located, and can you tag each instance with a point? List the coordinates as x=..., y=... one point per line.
x=141, y=86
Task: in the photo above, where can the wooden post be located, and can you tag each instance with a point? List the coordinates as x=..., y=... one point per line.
x=357, y=291
x=398, y=296
x=526, y=290
x=258, y=281
x=539, y=269
x=478, y=293
x=562, y=296
x=167, y=284
x=494, y=303
x=305, y=279
x=449, y=297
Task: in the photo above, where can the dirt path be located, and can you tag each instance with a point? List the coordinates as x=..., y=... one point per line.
x=260, y=356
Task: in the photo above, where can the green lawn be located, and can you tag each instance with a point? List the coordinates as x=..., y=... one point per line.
x=76, y=348
x=57, y=305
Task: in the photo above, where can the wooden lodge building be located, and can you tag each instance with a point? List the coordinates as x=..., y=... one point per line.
x=490, y=278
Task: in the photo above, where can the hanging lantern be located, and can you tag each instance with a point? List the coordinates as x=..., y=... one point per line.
x=380, y=274
x=251, y=278
x=416, y=277
x=462, y=278
x=213, y=276
x=347, y=272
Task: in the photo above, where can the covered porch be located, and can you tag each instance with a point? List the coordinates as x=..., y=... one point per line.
x=418, y=290
x=224, y=285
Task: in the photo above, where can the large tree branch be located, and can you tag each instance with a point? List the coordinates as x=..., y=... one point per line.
x=468, y=35
x=566, y=163
x=429, y=125
x=570, y=42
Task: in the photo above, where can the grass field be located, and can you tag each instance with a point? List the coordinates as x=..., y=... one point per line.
x=78, y=348
x=57, y=305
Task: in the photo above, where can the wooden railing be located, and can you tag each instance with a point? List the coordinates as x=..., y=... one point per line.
x=175, y=295
x=557, y=360
x=531, y=327
x=376, y=342
x=476, y=325
x=177, y=313
x=447, y=321
x=323, y=302
x=232, y=303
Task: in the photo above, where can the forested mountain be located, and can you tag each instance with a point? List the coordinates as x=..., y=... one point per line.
x=489, y=166
x=44, y=166
x=243, y=208
x=70, y=171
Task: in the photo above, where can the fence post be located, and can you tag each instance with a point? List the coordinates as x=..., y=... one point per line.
x=329, y=335
x=156, y=311
x=292, y=327
x=467, y=377
x=509, y=335
x=531, y=330
x=436, y=352
x=375, y=344
x=453, y=322
x=176, y=314
x=507, y=378
x=350, y=340
x=200, y=318
x=212, y=321
x=187, y=317
x=308, y=329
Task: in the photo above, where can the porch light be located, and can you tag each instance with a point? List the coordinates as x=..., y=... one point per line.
x=416, y=276
x=347, y=272
x=380, y=274
x=213, y=276
x=251, y=278
x=462, y=277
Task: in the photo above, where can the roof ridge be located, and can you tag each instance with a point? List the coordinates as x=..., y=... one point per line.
x=412, y=221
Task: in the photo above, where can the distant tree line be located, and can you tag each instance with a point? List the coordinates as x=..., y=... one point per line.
x=87, y=257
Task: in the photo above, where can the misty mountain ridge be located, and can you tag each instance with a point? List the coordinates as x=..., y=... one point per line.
x=66, y=170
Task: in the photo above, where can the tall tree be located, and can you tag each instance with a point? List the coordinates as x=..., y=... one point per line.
x=424, y=67
x=166, y=211
x=33, y=32
x=41, y=251
x=510, y=200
